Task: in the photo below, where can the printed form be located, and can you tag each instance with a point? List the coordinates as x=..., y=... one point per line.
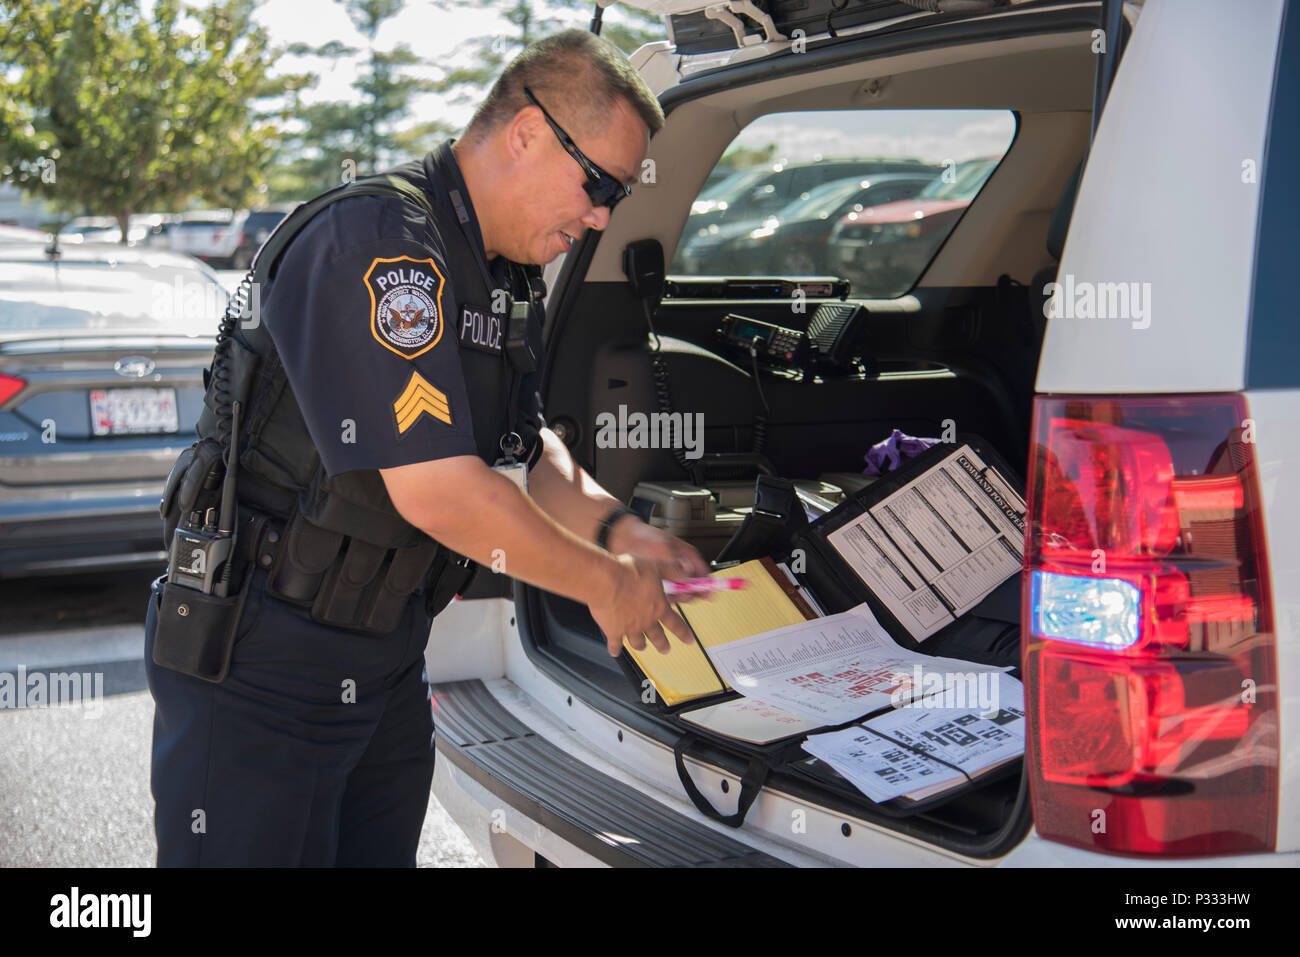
x=935, y=548
x=829, y=670
x=880, y=757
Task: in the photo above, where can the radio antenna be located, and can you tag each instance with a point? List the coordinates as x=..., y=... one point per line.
x=232, y=466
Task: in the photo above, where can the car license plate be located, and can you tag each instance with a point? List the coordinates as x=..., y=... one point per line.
x=133, y=411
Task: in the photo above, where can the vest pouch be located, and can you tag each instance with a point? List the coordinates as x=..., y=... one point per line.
x=304, y=558
x=168, y=499
x=276, y=444
x=240, y=363
x=195, y=634
x=356, y=504
x=193, y=485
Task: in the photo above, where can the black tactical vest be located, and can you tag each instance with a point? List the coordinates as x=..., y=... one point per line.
x=336, y=543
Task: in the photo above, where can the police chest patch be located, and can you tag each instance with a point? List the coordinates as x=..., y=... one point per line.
x=405, y=304
x=481, y=329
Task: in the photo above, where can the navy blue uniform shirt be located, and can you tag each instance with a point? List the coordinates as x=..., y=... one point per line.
x=365, y=320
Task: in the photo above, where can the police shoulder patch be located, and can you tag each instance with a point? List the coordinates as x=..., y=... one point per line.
x=406, y=315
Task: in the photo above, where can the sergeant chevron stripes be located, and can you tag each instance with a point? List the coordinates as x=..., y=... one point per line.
x=418, y=398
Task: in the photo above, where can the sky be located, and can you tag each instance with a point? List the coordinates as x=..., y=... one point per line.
x=934, y=136
x=437, y=30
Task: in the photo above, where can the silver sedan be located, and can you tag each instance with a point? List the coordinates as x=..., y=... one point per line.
x=102, y=352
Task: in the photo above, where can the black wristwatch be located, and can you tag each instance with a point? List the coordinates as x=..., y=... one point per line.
x=607, y=523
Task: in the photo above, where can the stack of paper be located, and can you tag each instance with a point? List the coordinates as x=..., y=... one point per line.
x=833, y=669
x=895, y=754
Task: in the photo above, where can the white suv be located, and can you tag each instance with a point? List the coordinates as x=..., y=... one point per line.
x=1148, y=386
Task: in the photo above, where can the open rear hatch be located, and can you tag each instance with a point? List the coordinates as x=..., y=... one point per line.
x=695, y=27
x=972, y=349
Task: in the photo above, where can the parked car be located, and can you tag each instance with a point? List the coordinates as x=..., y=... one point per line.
x=156, y=227
x=1159, y=594
x=143, y=229
x=715, y=178
x=102, y=351
x=795, y=240
x=21, y=234
x=254, y=229
x=210, y=235
x=760, y=192
x=883, y=249
x=91, y=229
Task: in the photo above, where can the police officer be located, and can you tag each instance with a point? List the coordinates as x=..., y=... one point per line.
x=389, y=374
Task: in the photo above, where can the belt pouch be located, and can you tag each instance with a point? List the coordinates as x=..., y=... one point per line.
x=305, y=556
x=341, y=597
x=196, y=632
x=448, y=576
x=403, y=576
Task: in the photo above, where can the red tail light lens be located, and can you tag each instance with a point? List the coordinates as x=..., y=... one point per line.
x=1149, y=646
x=10, y=386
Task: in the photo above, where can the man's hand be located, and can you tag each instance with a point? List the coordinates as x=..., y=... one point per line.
x=637, y=607
x=489, y=516
x=673, y=557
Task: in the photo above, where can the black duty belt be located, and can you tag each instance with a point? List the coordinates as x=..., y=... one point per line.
x=346, y=582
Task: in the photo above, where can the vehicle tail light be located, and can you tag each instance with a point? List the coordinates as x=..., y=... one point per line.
x=10, y=386
x=1149, y=652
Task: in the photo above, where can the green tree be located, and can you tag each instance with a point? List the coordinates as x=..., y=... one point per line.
x=491, y=53
x=327, y=142
x=334, y=141
x=108, y=110
x=635, y=29
x=747, y=157
x=385, y=93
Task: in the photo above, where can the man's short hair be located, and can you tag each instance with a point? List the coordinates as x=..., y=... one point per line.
x=577, y=76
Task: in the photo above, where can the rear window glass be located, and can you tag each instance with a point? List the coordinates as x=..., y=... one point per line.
x=77, y=297
x=263, y=220
x=865, y=195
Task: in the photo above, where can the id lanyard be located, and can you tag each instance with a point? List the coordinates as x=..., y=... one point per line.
x=520, y=348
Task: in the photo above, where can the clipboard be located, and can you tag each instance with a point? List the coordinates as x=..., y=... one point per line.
x=837, y=585
x=686, y=676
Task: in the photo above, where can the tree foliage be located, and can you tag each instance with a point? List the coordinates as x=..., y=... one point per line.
x=492, y=52
x=327, y=142
x=747, y=157
x=105, y=109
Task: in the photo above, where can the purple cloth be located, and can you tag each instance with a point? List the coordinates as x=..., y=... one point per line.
x=887, y=455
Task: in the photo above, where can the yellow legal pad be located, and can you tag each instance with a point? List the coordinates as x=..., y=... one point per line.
x=766, y=603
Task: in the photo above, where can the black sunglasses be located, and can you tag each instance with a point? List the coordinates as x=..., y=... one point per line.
x=601, y=187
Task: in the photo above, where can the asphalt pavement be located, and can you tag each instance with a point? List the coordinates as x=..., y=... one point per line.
x=74, y=779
